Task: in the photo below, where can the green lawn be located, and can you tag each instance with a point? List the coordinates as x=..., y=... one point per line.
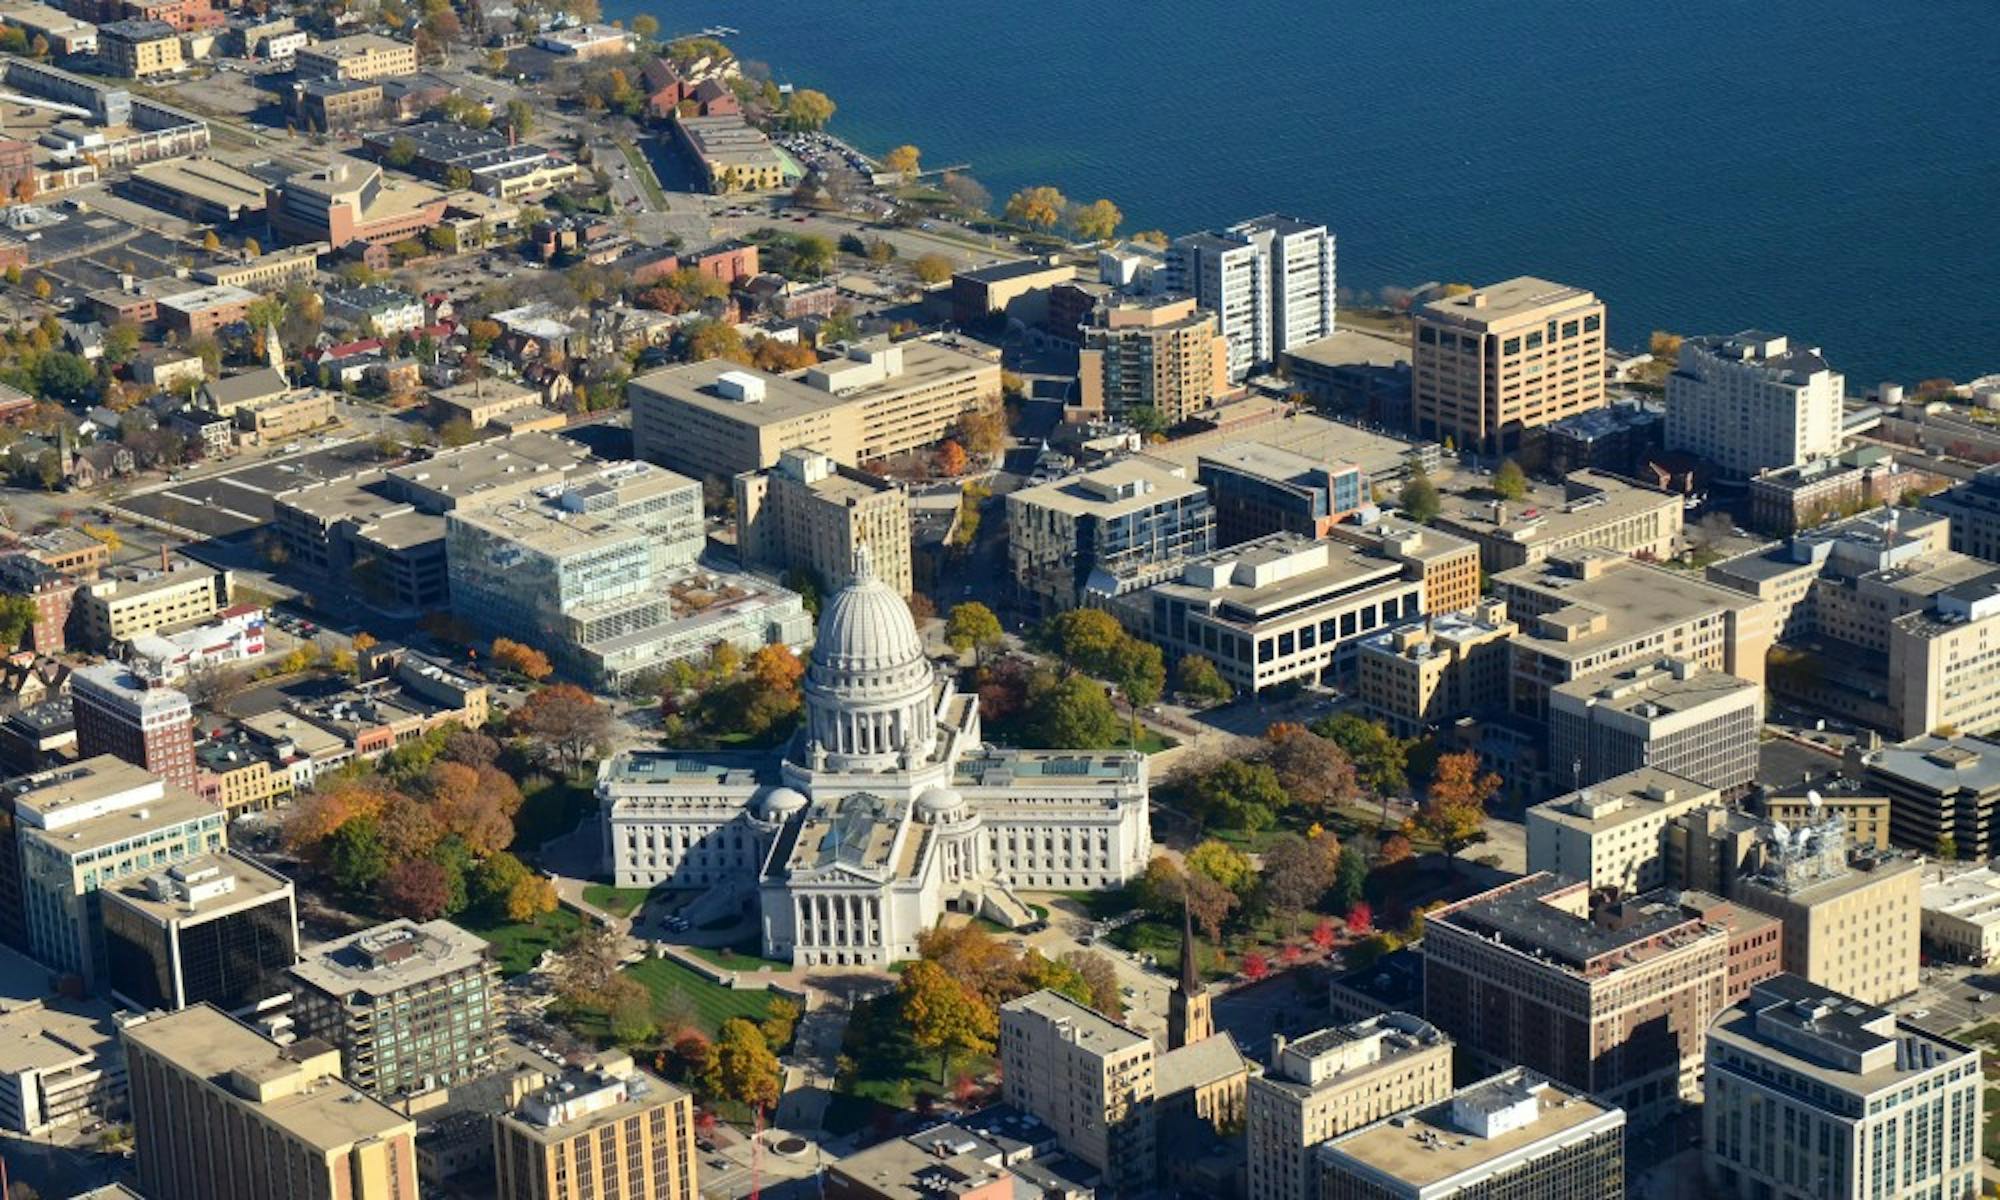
x=550, y=811
x=712, y=1003
x=741, y=957
x=618, y=901
x=889, y=1068
x=1990, y=1130
x=517, y=944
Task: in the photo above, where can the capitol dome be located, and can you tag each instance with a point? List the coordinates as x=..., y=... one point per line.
x=868, y=686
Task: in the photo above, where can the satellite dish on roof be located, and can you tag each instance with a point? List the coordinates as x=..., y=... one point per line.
x=1813, y=802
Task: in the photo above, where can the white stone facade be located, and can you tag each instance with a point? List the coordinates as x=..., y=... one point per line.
x=885, y=811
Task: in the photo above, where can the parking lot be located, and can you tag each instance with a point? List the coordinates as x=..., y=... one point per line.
x=238, y=500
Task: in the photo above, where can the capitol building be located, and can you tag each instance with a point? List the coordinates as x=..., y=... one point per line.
x=884, y=812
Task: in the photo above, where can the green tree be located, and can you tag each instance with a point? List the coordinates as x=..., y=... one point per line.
x=812, y=253
x=1419, y=497
x=944, y=1016
x=1510, y=482
x=17, y=617
x=60, y=375
x=1381, y=760
x=1038, y=207
x=121, y=342
x=1947, y=848
x=1234, y=794
x=809, y=109
x=400, y=154
x=1089, y=639
x=1197, y=677
x=493, y=881
x=1140, y=671
x=972, y=626
x=1097, y=221
x=630, y=1015
x=1071, y=712
x=356, y=856
x=520, y=118
x=933, y=268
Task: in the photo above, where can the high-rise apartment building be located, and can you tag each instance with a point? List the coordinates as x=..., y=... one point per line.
x=1326, y=1083
x=121, y=714
x=1751, y=401
x=1489, y=365
x=1424, y=674
x=809, y=513
x=413, y=1008
x=220, y=1112
x=218, y=930
x=606, y=1132
x=1810, y=1092
x=1087, y=539
x=1671, y=715
x=1156, y=355
x=1613, y=834
x=1853, y=918
x=1270, y=282
x=85, y=827
x=1086, y=1077
x=1613, y=1002
x=1513, y=1136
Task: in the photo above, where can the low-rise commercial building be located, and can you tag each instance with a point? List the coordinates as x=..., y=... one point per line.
x=1613, y=835
x=495, y=164
x=809, y=512
x=1671, y=715
x=217, y=929
x=1514, y=1134
x=585, y=42
x=1812, y=1090
x=1280, y=608
x=284, y=417
x=1357, y=372
x=598, y=1133
x=1785, y=500
x=413, y=1008
x=731, y=154
x=1259, y=489
x=200, y=312
x=1961, y=914
x=199, y=188
x=1421, y=675
x=221, y=1113
x=113, y=610
x=1593, y=509
x=1089, y=538
x=1590, y=613
x=349, y=200
x=1017, y=291
x=1088, y=1078
x=357, y=56
x=1496, y=362
x=1851, y=916
x=1327, y=1083
x=235, y=636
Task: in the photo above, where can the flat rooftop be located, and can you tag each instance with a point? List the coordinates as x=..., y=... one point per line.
x=205, y=179
x=515, y=462
x=325, y=1114
x=722, y=768
x=694, y=384
x=391, y=957
x=1542, y=916
x=1513, y=301
x=1547, y=513
x=1657, y=689
x=1094, y=1031
x=583, y=1099
x=1267, y=422
x=1274, y=575
x=1634, y=796
x=1117, y=489
x=1441, y=1142
x=48, y=1037
x=199, y=888
x=1826, y=1038
x=1353, y=348
x=1944, y=766
x=1629, y=598
x=1972, y=896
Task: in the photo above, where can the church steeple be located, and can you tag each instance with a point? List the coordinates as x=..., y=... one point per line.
x=1188, y=1017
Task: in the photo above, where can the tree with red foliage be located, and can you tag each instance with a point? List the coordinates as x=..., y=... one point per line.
x=1322, y=934
x=1396, y=848
x=963, y=1089
x=1360, y=918
x=1289, y=954
x=951, y=459
x=417, y=889
x=1256, y=966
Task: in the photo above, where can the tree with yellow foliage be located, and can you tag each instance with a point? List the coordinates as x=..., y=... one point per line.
x=1039, y=207
x=903, y=160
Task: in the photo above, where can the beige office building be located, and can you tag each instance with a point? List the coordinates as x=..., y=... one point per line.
x=1853, y=920
x=220, y=1112
x=361, y=56
x=1593, y=612
x=1087, y=1078
x=1493, y=363
x=1424, y=674
x=114, y=610
x=1613, y=834
x=717, y=418
x=810, y=512
x=1159, y=354
x=1670, y=715
x=1326, y=1083
x=606, y=1132
x=1447, y=565
x=1591, y=509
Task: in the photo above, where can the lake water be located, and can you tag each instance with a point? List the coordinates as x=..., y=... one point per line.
x=1825, y=168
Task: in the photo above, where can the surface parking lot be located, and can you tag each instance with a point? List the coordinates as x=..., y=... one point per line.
x=239, y=500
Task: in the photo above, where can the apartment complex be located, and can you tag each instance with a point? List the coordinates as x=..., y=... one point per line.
x=1088, y=1078
x=1750, y=402
x=1326, y=1083
x=1496, y=362
x=1613, y=835
x=1086, y=539
x=1594, y=612
x=1269, y=281
x=135, y=49
x=121, y=714
x=808, y=513
x=217, y=929
x=1940, y=788
x=412, y=1008
x=1671, y=715
x=1593, y=508
x=222, y=1113
x=878, y=400
x=359, y=56
x=1279, y=608
x=602, y=1132
x=1158, y=355
x=1515, y=1135
x=110, y=611
x=86, y=826
x=1613, y=1002
x=1258, y=489
x=1424, y=674
x=1810, y=1091
x=1851, y=916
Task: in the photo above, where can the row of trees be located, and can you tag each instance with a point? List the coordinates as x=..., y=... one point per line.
x=1297, y=875
x=1046, y=209
x=1093, y=641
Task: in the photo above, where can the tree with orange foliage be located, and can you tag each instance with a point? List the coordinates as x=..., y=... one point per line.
x=315, y=817
x=951, y=459
x=521, y=659
x=776, y=668
x=475, y=803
